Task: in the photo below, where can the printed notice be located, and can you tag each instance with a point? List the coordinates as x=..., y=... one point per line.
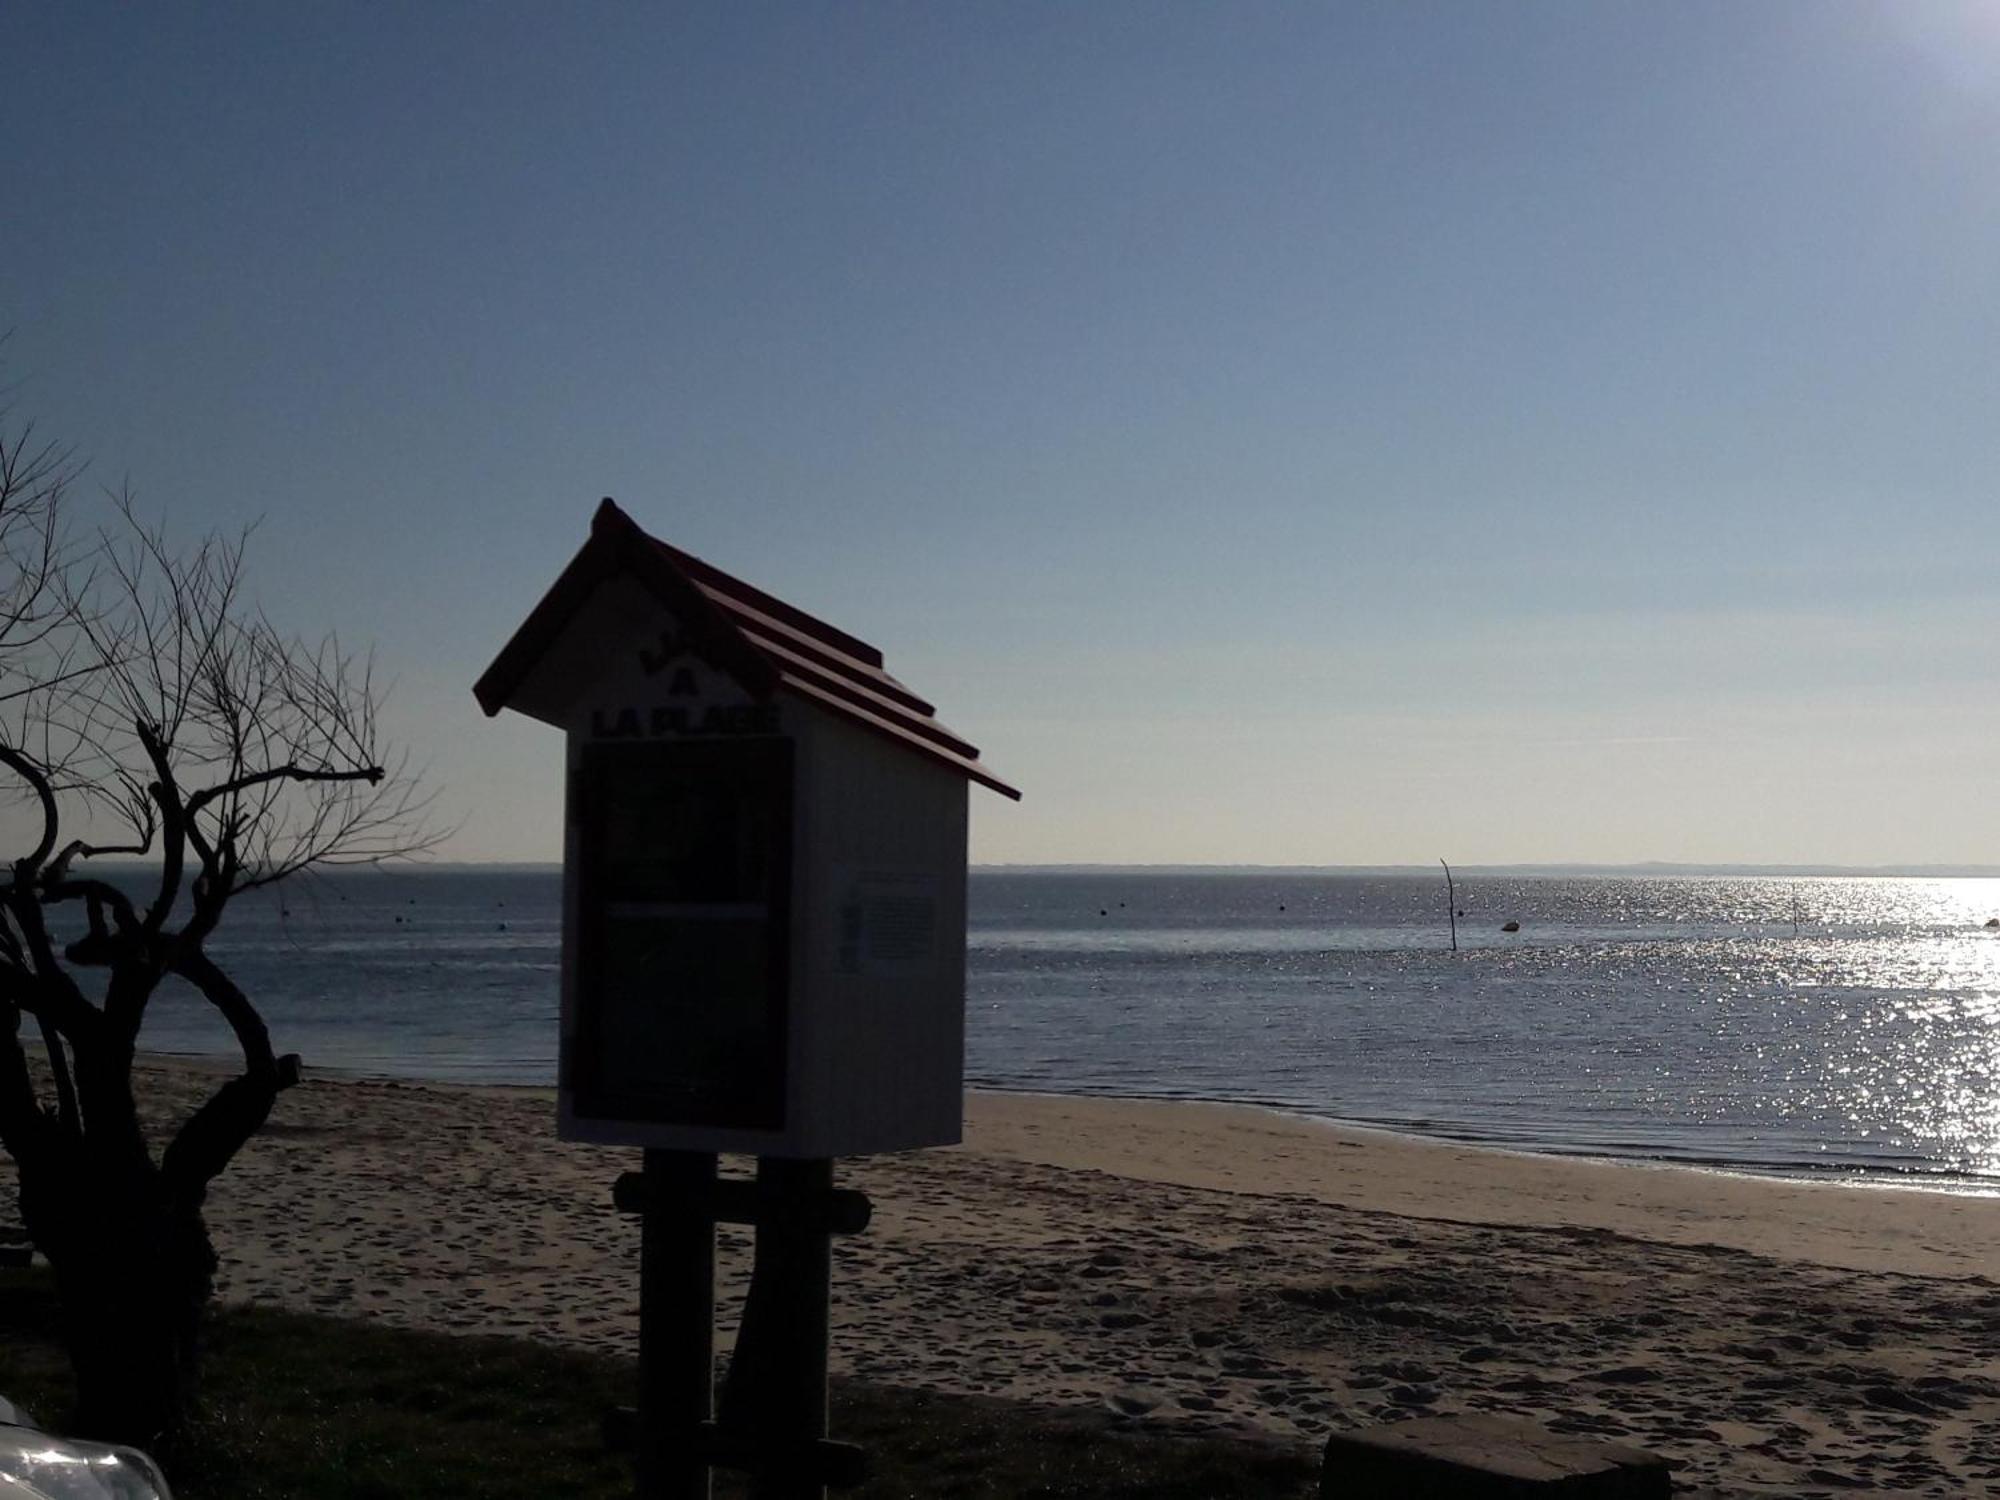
x=888, y=926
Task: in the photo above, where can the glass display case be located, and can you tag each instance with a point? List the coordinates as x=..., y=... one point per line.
x=684, y=851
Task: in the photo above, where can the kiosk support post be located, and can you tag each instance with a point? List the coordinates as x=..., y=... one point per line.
x=795, y=1271
x=676, y=1325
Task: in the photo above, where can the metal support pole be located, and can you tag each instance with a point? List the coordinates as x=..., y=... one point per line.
x=676, y=1325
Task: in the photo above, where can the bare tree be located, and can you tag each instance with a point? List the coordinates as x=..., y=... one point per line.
x=149, y=711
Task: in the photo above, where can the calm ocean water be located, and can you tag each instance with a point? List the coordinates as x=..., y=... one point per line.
x=1679, y=1018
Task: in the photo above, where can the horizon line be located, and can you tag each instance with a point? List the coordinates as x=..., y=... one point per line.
x=1726, y=867
x=1196, y=867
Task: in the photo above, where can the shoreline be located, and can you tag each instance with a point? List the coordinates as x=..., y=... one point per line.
x=1899, y=1230
x=1941, y=1184
x=1201, y=1267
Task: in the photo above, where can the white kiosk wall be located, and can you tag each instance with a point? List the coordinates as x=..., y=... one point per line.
x=881, y=924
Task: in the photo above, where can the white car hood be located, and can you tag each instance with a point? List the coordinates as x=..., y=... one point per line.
x=36, y=1466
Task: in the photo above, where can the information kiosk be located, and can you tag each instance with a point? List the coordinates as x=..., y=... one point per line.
x=763, y=939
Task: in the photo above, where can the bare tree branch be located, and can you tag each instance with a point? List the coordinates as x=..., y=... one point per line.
x=252, y=1036
x=218, y=1130
x=66, y=1105
x=38, y=782
x=24, y=1128
x=173, y=823
x=235, y=789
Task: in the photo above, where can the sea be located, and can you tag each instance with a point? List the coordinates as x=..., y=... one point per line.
x=1793, y=1025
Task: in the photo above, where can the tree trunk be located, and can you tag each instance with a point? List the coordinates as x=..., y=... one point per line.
x=134, y=1272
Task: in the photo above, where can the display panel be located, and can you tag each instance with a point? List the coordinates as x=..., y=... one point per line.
x=683, y=930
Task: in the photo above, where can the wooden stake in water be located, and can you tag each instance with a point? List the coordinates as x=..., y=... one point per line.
x=1451, y=905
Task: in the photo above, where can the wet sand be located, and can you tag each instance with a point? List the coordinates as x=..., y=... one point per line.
x=1214, y=1268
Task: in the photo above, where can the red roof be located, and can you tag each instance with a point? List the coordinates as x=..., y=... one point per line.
x=759, y=639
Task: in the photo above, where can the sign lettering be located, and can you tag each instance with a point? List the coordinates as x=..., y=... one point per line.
x=653, y=659
x=665, y=721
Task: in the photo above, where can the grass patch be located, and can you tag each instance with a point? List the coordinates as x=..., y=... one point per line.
x=307, y=1408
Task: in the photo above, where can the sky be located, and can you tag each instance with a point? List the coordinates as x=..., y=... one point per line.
x=1317, y=434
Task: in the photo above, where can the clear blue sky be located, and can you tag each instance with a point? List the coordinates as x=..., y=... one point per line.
x=1319, y=433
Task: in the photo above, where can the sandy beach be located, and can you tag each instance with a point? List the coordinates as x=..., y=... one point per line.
x=1213, y=1268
